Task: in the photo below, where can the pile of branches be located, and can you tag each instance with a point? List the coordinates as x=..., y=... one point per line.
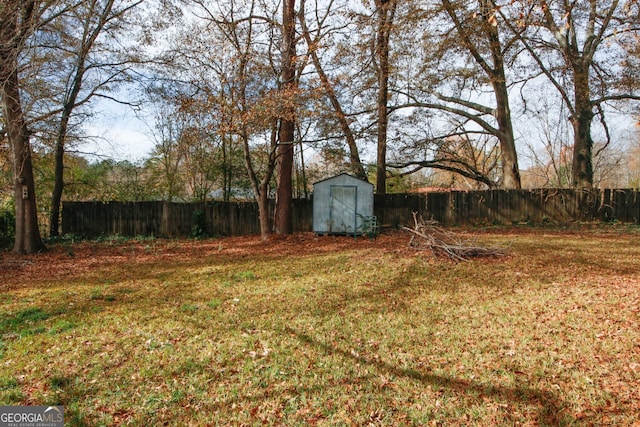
x=428, y=235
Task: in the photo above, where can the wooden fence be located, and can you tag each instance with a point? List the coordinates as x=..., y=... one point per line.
x=164, y=219
x=537, y=206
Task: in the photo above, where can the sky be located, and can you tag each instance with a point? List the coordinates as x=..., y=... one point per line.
x=122, y=134
x=118, y=134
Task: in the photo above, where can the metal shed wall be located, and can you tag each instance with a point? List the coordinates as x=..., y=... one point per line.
x=340, y=204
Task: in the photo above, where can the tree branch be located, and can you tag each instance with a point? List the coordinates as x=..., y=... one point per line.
x=449, y=165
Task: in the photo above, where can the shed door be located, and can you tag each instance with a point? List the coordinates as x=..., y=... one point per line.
x=344, y=203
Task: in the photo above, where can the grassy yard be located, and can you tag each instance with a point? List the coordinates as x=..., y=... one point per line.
x=313, y=330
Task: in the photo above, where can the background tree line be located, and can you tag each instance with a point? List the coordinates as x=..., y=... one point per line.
x=248, y=98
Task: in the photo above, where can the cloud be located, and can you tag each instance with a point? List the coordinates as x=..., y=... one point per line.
x=123, y=139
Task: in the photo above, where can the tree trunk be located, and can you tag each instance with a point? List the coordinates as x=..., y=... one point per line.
x=226, y=186
x=261, y=188
x=27, y=239
x=263, y=211
x=284, y=192
x=510, y=168
x=58, y=185
x=582, y=166
x=301, y=175
x=58, y=182
x=386, y=12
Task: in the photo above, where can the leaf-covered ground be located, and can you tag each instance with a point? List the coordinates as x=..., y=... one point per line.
x=309, y=330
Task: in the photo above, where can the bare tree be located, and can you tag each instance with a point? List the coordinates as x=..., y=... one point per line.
x=171, y=137
x=243, y=72
x=314, y=39
x=494, y=69
x=457, y=87
x=81, y=29
x=576, y=45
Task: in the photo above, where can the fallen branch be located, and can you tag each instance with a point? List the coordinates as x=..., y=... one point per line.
x=428, y=235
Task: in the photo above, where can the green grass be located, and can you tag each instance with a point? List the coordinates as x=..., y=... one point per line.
x=353, y=336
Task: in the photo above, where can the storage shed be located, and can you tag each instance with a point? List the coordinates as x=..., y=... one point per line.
x=343, y=204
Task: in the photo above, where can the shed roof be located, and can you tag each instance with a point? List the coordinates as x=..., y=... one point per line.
x=342, y=174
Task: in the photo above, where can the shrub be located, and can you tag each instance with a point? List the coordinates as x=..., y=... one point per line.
x=7, y=227
x=199, y=225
